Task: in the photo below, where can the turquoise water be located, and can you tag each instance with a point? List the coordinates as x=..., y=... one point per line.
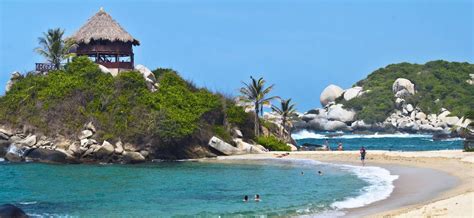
x=182, y=188
x=393, y=142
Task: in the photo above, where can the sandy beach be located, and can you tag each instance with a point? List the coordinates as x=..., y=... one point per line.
x=430, y=184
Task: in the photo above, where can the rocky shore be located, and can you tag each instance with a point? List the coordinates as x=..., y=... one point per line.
x=334, y=116
x=20, y=146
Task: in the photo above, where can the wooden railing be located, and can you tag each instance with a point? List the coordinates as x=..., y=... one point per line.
x=44, y=67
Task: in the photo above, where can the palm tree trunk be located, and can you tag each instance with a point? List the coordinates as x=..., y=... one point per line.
x=257, y=121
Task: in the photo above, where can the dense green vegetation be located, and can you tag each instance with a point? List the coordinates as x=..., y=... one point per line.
x=434, y=80
x=272, y=143
x=121, y=107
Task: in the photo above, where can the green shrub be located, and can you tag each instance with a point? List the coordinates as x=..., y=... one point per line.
x=223, y=134
x=272, y=143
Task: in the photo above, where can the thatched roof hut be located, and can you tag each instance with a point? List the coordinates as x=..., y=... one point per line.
x=104, y=41
x=102, y=26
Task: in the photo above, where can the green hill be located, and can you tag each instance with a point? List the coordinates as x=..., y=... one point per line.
x=172, y=119
x=438, y=84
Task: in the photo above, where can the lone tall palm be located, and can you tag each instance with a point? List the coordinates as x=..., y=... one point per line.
x=286, y=111
x=53, y=47
x=257, y=93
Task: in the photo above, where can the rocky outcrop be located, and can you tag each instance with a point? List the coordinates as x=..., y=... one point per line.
x=133, y=157
x=336, y=112
x=223, y=147
x=15, y=76
x=10, y=210
x=330, y=94
x=352, y=93
x=48, y=156
x=149, y=77
x=248, y=148
x=403, y=87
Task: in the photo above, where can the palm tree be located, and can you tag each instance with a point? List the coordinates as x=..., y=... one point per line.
x=257, y=93
x=53, y=47
x=286, y=111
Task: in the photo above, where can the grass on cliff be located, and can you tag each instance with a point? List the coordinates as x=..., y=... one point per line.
x=438, y=84
x=121, y=107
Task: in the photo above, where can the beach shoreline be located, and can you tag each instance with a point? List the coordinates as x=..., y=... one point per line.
x=431, y=183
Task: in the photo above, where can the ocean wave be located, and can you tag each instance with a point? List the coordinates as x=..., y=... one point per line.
x=305, y=134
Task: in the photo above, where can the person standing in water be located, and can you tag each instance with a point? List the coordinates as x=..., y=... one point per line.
x=362, y=155
x=339, y=147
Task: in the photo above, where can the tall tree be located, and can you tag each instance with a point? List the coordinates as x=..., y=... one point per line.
x=286, y=111
x=256, y=93
x=53, y=47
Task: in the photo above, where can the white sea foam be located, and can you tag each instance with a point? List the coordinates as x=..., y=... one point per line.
x=2, y=159
x=28, y=202
x=381, y=186
x=305, y=134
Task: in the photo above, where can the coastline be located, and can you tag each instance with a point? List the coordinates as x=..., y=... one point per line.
x=431, y=183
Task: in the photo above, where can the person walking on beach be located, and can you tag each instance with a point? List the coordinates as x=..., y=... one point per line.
x=362, y=155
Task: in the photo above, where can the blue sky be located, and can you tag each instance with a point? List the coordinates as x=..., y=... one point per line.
x=300, y=46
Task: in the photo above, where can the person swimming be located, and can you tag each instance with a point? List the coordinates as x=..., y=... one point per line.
x=246, y=198
x=320, y=173
x=302, y=173
x=257, y=198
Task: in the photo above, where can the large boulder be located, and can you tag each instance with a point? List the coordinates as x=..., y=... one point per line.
x=105, y=150
x=352, y=93
x=335, y=125
x=248, y=148
x=47, y=156
x=28, y=141
x=105, y=70
x=292, y=147
x=85, y=134
x=223, y=147
x=336, y=112
x=15, y=153
x=118, y=147
x=330, y=94
x=5, y=134
x=132, y=157
x=4, y=144
x=451, y=120
x=10, y=210
x=401, y=84
x=146, y=73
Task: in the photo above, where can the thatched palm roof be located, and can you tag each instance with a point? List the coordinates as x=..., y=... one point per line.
x=102, y=26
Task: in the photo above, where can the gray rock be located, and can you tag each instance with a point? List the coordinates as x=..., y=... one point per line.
x=85, y=134
x=451, y=121
x=402, y=94
x=403, y=84
x=9, y=210
x=15, y=76
x=237, y=133
x=28, y=141
x=409, y=108
x=420, y=116
x=48, y=156
x=317, y=124
x=130, y=147
x=75, y=149
x=248, y=148
x=132, y=157
x=118, y=147
x=90, y=126
x=330, y=94
x=105, y=150
x=144, y=153
x=352, y=93
x=223, y=147
x=336, y=112
x=15, y=153
x=334, y=125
